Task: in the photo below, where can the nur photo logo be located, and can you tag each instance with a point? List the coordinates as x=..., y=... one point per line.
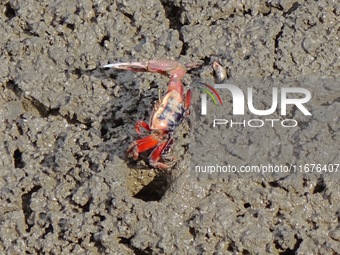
x=282, y=98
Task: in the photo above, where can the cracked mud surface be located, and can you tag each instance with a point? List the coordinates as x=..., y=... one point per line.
x=66, y=186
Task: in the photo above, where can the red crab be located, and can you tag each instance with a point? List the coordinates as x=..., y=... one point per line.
x=167, y=114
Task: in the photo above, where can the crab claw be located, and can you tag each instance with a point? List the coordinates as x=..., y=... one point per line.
x=163, y=66
x=134, y=66
x=193, y=65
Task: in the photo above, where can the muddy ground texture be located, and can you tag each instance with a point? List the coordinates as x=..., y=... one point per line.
x=66, y=186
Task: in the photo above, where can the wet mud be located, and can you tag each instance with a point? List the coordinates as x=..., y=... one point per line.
x=66, y=185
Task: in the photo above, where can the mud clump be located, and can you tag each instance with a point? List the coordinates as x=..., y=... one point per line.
x=66, y=186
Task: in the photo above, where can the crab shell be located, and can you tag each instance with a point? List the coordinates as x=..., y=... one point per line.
x=168, y=113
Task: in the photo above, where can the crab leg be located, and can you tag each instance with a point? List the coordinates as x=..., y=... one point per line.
x=142, y=145
x=157, y=154
x=142, y=124
x=187, y=99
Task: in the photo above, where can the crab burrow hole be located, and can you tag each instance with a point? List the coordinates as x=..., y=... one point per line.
x=147, y=185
